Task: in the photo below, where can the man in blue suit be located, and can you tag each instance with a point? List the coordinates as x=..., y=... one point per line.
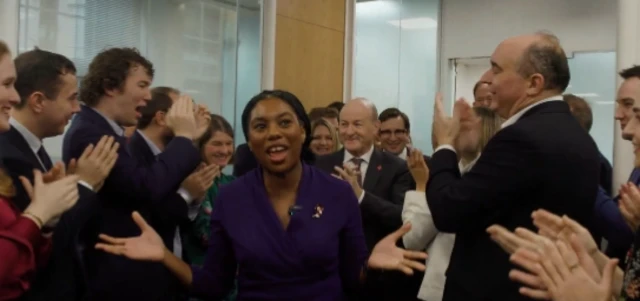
x=115, y=87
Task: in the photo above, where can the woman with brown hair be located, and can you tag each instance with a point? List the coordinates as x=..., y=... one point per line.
x=23, y=247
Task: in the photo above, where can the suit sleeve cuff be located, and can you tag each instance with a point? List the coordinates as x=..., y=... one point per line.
x=185, y=195
x=445, y=146
x=361, y=197
x=85, y=184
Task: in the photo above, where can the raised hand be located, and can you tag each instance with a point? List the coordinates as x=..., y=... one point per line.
x=203, y=119
x=386, y=255
x=95, y=163
x=418, y=168
x=566, y=279
x=446, y=129
x=556, y=227
x=181, y=118
x=148, y=246
x=629, y=204
x=49, y=200
x=57, y=172
x=198, y=182
x=511, y=241
x=349, y=174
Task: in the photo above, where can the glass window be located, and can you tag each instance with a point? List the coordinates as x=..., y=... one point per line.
x=198, y=56
x=395, y=61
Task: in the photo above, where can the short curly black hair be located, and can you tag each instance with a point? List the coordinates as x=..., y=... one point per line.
x=109, y=70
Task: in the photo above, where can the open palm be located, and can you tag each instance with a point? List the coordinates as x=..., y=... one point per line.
x=148, y=246
x=387, y=256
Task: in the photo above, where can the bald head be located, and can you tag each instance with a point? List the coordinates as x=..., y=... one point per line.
x=544, y=55
x=359, y=126
x=361, y=103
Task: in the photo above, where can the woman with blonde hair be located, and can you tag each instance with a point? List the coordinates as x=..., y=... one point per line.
x=475, y=133
x=324, y=138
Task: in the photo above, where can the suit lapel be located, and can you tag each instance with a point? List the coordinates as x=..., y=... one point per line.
x=21, y=144
x=373, y=171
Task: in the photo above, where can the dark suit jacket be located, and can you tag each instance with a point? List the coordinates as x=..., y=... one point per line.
x=63, y=277
x=164, y=223
x=385, y=183
x=544, y=160
x=606, y=174
x=130, y=186
x=244, y=160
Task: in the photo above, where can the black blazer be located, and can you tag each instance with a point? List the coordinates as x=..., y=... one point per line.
x=131, y=185
x=244, y=160
x=385, y=183
x=163, y=219
x=63, y=278
x=544, y=160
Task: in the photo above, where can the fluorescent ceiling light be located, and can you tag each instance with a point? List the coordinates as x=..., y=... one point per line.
x=415, y=23
x=586, y=95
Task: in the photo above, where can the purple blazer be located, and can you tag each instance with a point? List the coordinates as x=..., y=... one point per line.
x=318, y=257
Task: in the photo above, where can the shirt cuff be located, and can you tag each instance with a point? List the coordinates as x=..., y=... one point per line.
x=85, y=184
x=185, y=195
x=445, y=146
x=52, y=223
x=192, y=210
x=361, y=197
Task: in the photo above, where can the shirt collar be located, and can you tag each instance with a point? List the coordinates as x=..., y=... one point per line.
x=518, y=115
x=403, y=154
x=366, y=157
x=464, y=168
x=116, y=127
x=34, y=142
x=154, y=148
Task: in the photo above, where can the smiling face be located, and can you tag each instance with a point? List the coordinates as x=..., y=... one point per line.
x=507, y=85
x=218, y=149
x=56, y=113
x=322, y=141
x=275, y=135
x=134, y=94
x=358, y=127
x=393, y=135
x=628, y=96
x=8, y=94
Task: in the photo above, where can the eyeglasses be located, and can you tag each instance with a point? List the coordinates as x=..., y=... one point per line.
x=397, y=133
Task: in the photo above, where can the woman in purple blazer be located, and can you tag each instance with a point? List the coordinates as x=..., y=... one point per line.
x=289, y=231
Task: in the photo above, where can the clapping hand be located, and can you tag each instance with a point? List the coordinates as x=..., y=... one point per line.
x=445, y=128
x=148, y=246
x=629, y=204
x=49, y=200
x=181, y=118
x=386, y=255
x=349, y=174
x=95, y=163
x=203, y=119
x=57, y=172
x=418, y=168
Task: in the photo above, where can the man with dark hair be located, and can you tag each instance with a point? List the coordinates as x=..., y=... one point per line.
x=581, y=110
x=336, y=105
x=540, y=159
x=115, y=88
x=171, y=92
x=146, y=144
x=329, y=114
x=608, y=216
x=47, y=85
x=395, y=133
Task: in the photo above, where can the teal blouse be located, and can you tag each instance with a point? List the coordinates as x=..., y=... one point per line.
x=198, y=237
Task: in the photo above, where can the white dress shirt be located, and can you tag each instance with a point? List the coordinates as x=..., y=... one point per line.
x=193, y=207
x=366, y=158
x=424, y=235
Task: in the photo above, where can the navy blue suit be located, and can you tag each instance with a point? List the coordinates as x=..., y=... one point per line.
x=130, y=187
x=63, y=278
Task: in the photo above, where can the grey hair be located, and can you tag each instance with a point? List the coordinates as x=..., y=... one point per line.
x=547, y=58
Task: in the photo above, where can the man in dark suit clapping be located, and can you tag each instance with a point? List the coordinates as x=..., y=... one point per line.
x=541, y=158
x=115, y=87
x=380, y=181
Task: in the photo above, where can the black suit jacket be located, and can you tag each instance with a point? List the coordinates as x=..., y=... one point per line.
x=244, y=160
x=162, y=220
x=130, y=186
x=63, y=278
x=385, y=183
x=544, y=160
